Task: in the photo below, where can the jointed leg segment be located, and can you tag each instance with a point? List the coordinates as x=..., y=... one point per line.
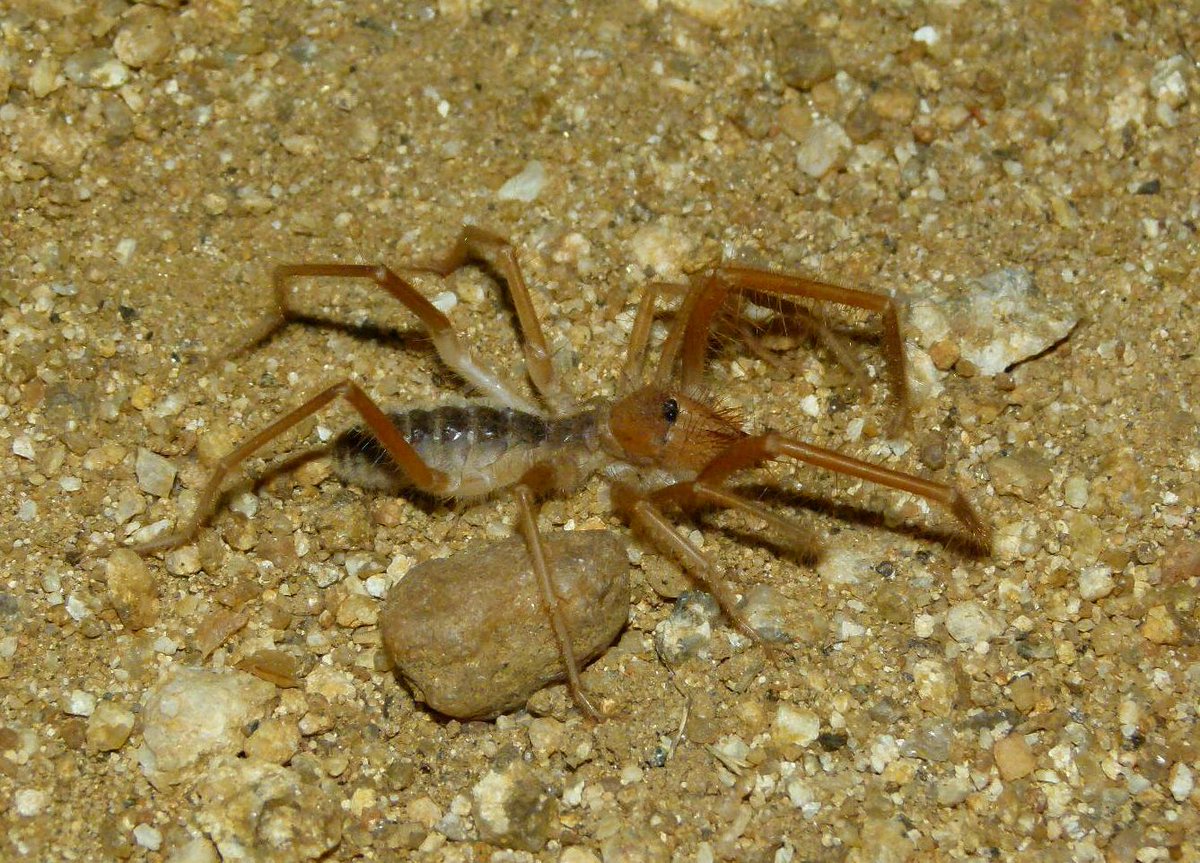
x=527, y=508
x=447, y=343
x=645, y=515
x=684, y=351
x=753, y=451
x=477, y=244
x=422, y=476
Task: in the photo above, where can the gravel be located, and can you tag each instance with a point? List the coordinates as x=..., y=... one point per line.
x=1019, y=179
x=192, y=713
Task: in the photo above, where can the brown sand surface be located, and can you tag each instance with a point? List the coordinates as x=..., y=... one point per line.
x=1022, y=177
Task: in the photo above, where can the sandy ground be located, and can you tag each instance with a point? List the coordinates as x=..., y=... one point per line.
x=1037, y=703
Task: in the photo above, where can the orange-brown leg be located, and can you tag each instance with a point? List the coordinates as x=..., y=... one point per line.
x=527, y=509
x=422, y=476
x=690, y=495
x=799, y=319
x=711, y=290
x=639, y=335
x=646, y=516
x=751, y=452
x=447, y=343
x=478, y=245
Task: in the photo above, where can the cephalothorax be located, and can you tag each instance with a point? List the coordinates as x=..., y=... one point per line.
x=663, y=443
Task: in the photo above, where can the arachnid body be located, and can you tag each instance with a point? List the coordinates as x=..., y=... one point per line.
x=663, y=444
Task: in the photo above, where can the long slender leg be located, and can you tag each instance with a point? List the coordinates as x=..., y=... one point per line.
x=799, y=317
x=646, y=516
x=751, y=452
x=688, y=495
x=447, y=343
x=639, y=335
x=668, y=355
x=712, y=290
x=527, y=507
x=477, y=244
x=422, y=476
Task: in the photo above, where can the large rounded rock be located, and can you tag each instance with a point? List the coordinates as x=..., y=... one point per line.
x=471, y=636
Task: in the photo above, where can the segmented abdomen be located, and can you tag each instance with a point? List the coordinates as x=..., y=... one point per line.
x=476, y=445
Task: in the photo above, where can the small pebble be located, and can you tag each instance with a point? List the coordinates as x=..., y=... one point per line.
x=445, y=301
x=198, y=850
x=275, y=741
x=131, y=589
x=22, y=446
x=1075, y=491
x=377, y=585
x=525, y=186
x=148, y=837
x=145, y=37
x=357, y=610
x=996, y=320
x=664, y=576
x=688, y=631
x=513, y=808
x=80, y=703
x=215, y=205
x=109, y=726
x=930, y=742
x=129, y=503
x=895, y=104
x=926, y=35
x=1168, y=84
x=944, y=354
x=1025, y=474
x=44, y=77
x=823, y=148
x=1181, y=782
x=1160, y=627
x=1014, y=759
x=969, y=623
x=794, y=726
x=843, y=566
x=124, y=250
x=259, y=811
x=802, y=58
x=364, y=137
x=96, y=67
x=193, y=712
x=953, y=790
x=763, y=607
x=155, y=474
x=661, y=248
x=1096, y=582
x=31, y=802
x=183, y=561
x=546, y=735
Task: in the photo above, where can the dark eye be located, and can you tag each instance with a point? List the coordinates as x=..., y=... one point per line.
x=670, y=410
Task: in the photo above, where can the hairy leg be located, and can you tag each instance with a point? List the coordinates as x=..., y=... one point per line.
x=753, y=451
x=445, y=340
x=710, y=291
x=476, y=244
x=646, y=516
x=406, y=458
x=527, y=508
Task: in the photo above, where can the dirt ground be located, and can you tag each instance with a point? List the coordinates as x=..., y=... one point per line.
x=1035, y=703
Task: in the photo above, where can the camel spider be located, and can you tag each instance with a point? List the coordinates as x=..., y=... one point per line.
x=662, y=444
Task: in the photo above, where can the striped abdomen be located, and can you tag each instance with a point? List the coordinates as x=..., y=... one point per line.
x=481, y=448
